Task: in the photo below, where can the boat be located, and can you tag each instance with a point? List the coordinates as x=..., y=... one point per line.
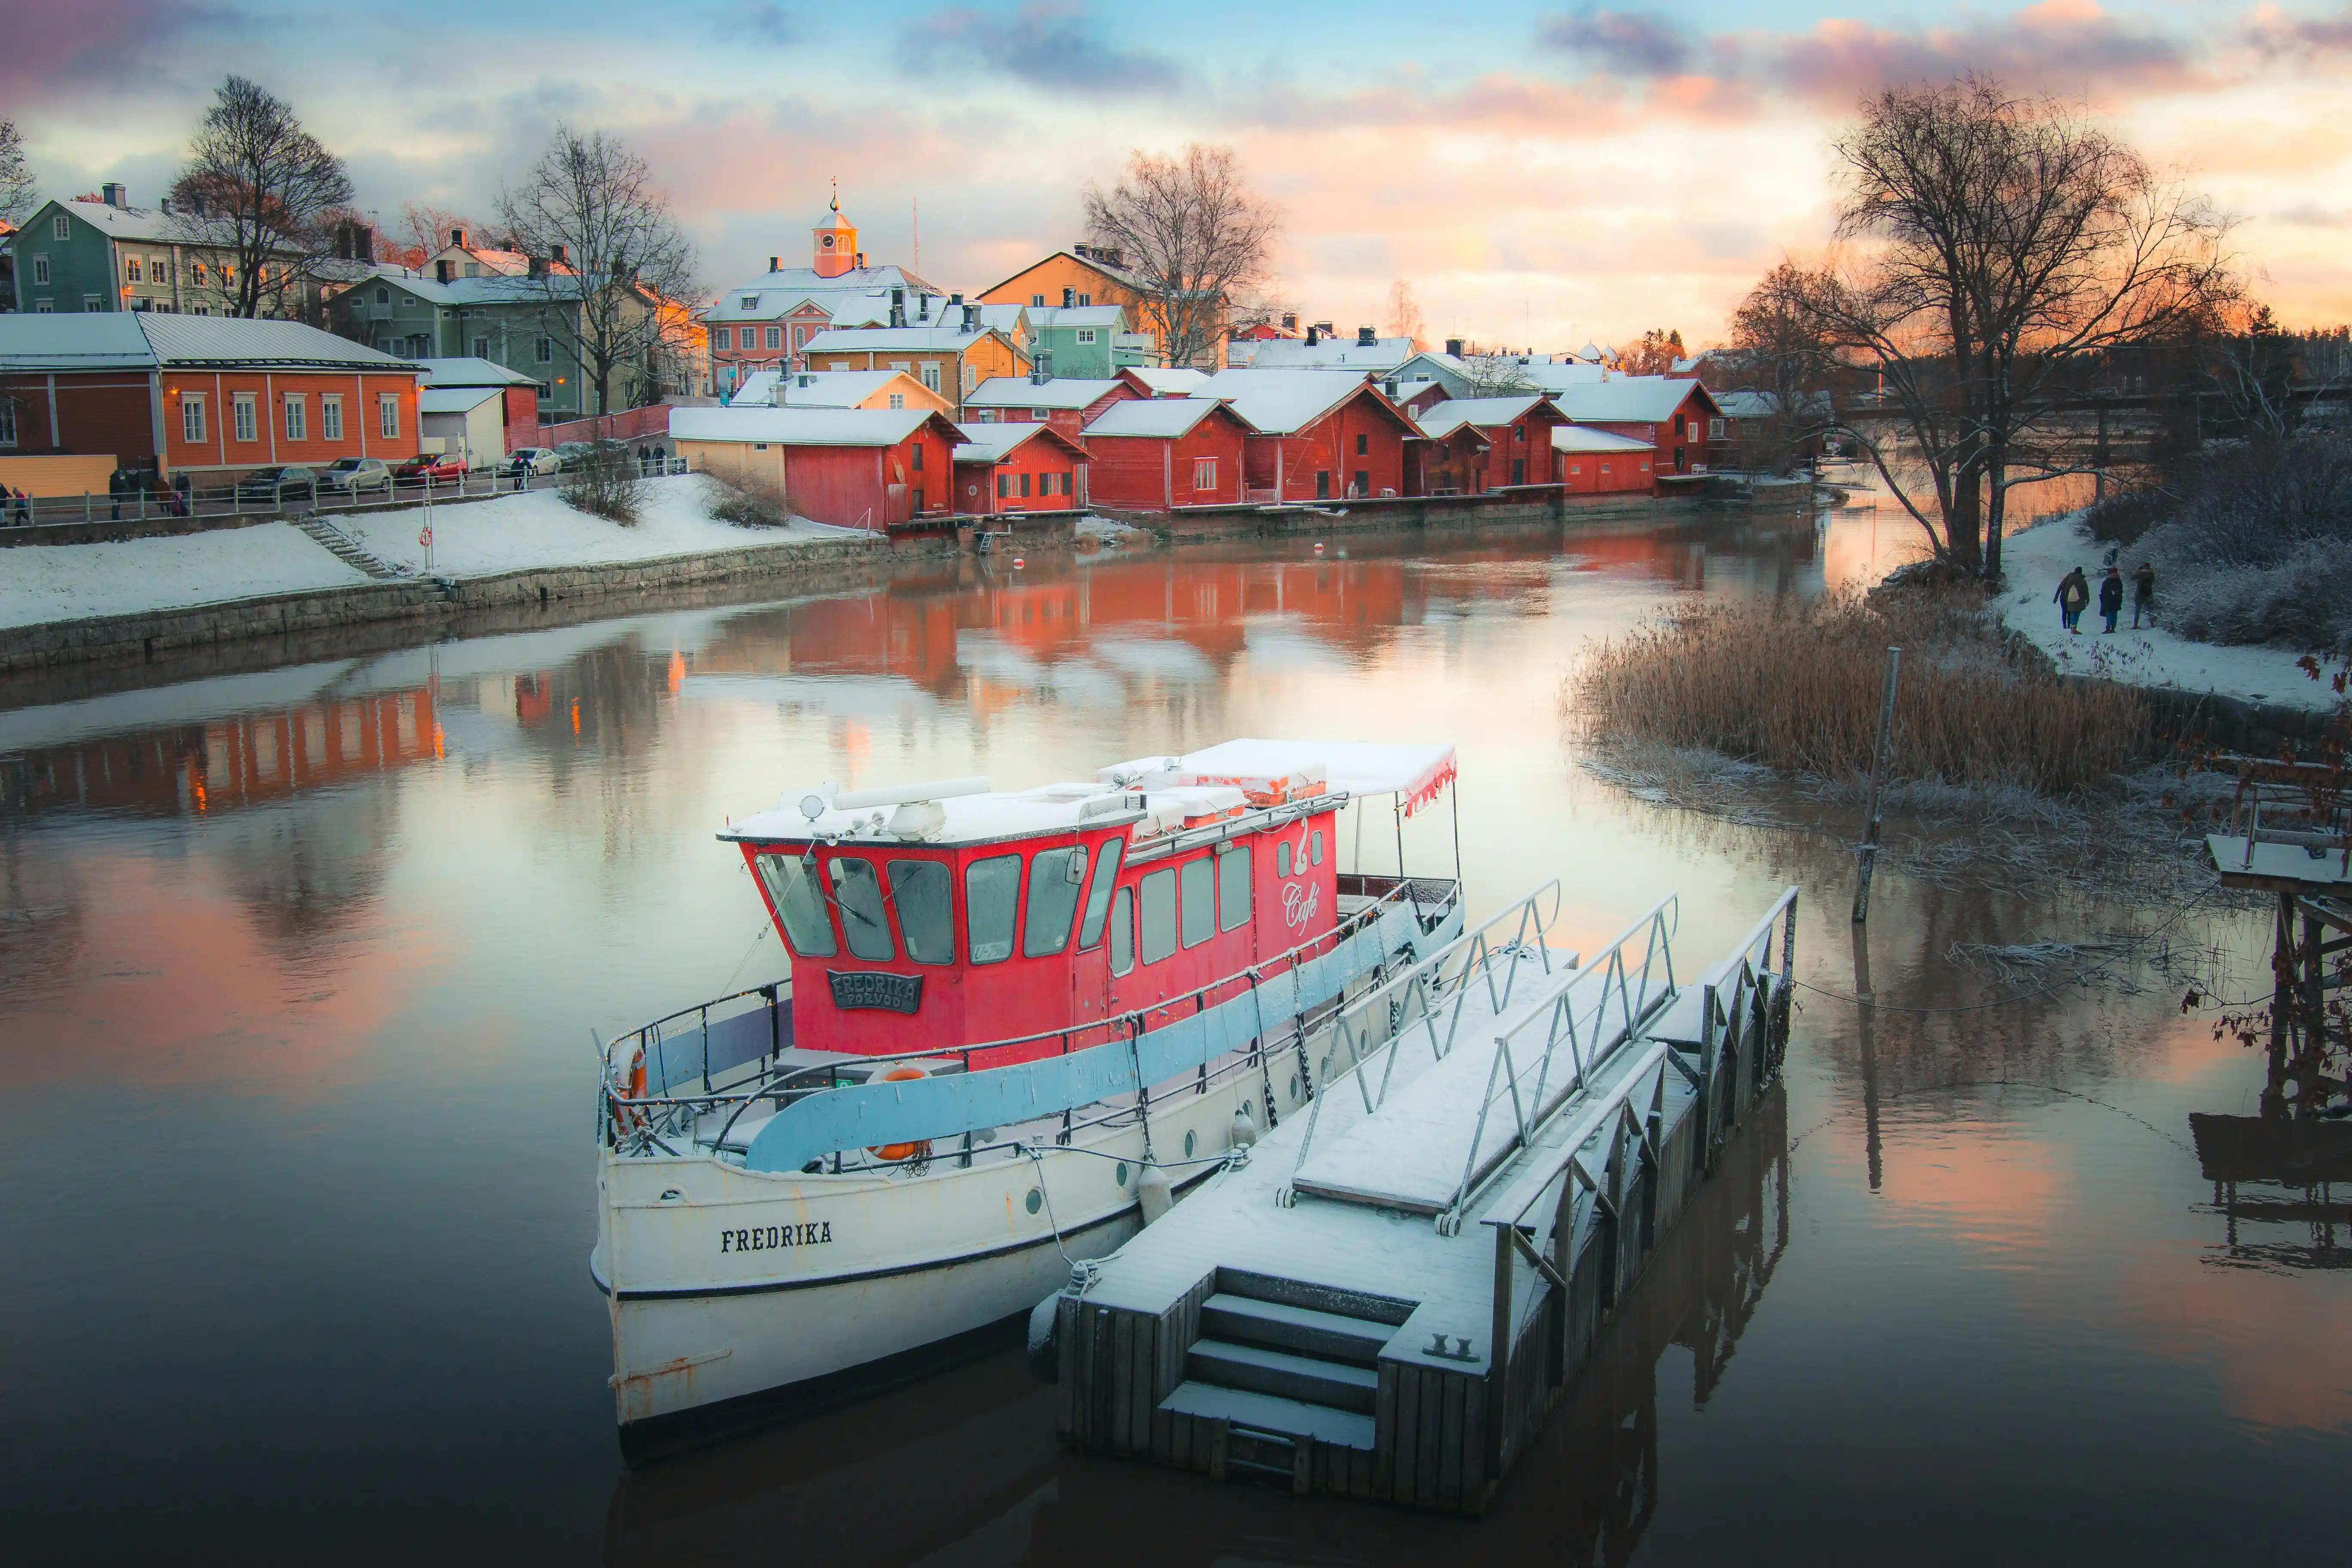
x=1016, y=1024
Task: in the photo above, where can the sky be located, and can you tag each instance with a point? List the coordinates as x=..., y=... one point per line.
x=1539, y=177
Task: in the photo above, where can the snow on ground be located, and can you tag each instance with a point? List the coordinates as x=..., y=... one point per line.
x=41, y=582
x=517, y=532
x=2033, y=562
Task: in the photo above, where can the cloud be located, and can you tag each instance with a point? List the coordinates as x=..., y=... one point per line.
x=763, y=22
x=2058, y=46
x=2310, y=216
x=1632, y=43
x=1042, y=43
x=2275, y=33
x=53, y=49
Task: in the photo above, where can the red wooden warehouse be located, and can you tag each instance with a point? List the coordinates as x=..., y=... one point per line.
x=1159, y=454
x=1518, y=429
x=1671, y=413
x=1319, y=434
x=854, y=467
x=1018, y=468
x=1065, y=402
x=1599, y=462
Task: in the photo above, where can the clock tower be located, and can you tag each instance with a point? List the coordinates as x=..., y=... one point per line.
x=836, y=242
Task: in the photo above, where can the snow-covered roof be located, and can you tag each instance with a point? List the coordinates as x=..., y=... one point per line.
x=801, y=427
x=468, y=371
x=818, y=388
x=1112, y=316
x=1325, y=353
x=995, y=443
x=1764, y=405
x=1581, y=438
x=1417, y=773
x=453, y=399
x=1168, y=381
x=127, y=223
x=148, y=339
x=1279, y=402
x=1165, y=416
x=1625, y=397
x=882, y=339
x=1444, y=418
x=492, y=289
x=774, y=294
x=1020, y=392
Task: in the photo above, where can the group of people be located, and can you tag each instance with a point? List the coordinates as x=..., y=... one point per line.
x=2074, y=595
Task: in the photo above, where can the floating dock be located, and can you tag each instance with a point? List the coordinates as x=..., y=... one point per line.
x=1387, y=1297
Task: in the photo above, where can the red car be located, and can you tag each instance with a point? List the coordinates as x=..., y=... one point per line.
x=431, y=465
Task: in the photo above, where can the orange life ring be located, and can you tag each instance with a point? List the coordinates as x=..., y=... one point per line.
x=631, y=1117
x=901, y=1150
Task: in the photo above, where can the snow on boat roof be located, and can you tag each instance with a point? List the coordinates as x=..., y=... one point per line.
x=1416, y=774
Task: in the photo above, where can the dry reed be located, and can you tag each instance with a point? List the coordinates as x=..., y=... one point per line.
x=1796, y=687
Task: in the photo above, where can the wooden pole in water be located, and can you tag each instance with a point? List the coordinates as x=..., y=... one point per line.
x=1878, y=788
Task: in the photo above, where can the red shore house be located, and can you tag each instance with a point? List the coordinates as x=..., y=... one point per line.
x=1319, y=434
x=1065, y=402
x=854, y=467
x=1018, y=468
x=1517, y=430
x=1592, y=462
x=1671, y=413
x=1163, y=380
x=204, y=395
x=1162, y=453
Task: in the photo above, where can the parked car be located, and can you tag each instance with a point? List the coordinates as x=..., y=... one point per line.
x=569, y=455
x=534, y=460
x=433, y=466
x=278, y=484
x=350, y=476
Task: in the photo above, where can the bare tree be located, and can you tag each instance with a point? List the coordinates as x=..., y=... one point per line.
x=1653, y=353
x=259, y=190
x=17, y=191
x=1778, y=349
x=424, y=230
x=1194, y=234
x=1404, y=315
x=2001, y=245
x=607, y=258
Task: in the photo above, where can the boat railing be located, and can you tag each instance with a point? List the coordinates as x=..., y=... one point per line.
x=1425, y=1002
x=645, y=1119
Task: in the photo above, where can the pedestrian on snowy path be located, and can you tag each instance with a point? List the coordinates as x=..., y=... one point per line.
x=2073, y=592
x=2111, y=596
x=2143, y=594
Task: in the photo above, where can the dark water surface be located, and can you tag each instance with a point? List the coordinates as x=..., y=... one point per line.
x=297, y=971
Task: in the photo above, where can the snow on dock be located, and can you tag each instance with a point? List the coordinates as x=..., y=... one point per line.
x=1386, y=1297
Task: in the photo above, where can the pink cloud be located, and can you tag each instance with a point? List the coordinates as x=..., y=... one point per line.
x=56, y=49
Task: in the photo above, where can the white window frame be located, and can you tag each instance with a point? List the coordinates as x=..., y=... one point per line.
x=1086, y=337
x=244, y=423
x=775, y=336
x=387, y=414
x=192, y=418
x=545, y=350
x=297, y=416
x=330, y=416
x=898, y=400
x=1715, y=429
x=1204, y=473
x=931, y=376
x=44, y=306
x=61, y=226
x=8, y=421
x=40, y=271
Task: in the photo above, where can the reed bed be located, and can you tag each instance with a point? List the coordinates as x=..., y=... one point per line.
x=1795, y=688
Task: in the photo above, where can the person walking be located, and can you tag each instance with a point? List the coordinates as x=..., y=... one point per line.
x=2111, y=596
x=25, y=508
x=2073, y=592
x=2143, y=593
x=114, y=487
x=181, y=493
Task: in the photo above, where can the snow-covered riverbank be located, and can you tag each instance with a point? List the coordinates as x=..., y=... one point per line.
x=2033, y=562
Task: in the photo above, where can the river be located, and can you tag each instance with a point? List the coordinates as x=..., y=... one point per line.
x=299, y=967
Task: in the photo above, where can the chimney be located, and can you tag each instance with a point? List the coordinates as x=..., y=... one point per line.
x=861, y=261
x=1069, y=299
x=164, y=206
x=1290, y=321
x=776, y=264
x=114, y=195
x=922, y=307
x=955, y=299
x=1454, y=347
x=897, y=307
x=1310, y=335
x=805, y=380
x=558, y=256
x=971, y=317
x=457, y=237
x=538, y=266
x=1367, y=338
x=441, y=272
x=1325, y=328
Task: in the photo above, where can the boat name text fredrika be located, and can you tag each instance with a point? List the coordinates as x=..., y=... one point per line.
x=869, y=988
x=759, y=1238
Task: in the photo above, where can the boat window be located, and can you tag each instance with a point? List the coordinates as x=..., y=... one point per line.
x=1315, y=847
x=991, y=890
x=1282, y=858
x=1106, y=860
x=794, y=893
x=1122, y=931
x=926, y=915
x=1159, y=915
x=1054, y=878
x=1200, y=902
x=1232, y=886
x=858, y=891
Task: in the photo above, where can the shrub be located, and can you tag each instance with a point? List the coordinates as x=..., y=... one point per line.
x=605, y=484
x=747, y=502
x=1796, y=689
x=2257, y=548
x=2122, y=518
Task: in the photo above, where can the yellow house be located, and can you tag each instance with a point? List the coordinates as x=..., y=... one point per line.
x=951, y=361
x=1088, y=275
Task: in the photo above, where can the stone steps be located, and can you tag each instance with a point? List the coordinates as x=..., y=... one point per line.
x=350, y=550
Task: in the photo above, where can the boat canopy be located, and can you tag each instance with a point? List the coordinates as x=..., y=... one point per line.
x=1287, y=770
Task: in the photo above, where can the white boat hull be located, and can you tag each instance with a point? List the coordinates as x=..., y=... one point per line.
x=748, y=1283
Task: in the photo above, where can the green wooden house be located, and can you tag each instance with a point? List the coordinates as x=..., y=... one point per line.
x=1087, y=341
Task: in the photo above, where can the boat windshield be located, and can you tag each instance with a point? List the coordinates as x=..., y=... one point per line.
x=797, y=899
x=991, y=889
x=1098, y=891
x=920, y=889
x=859, y=893
x=1054, y=878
